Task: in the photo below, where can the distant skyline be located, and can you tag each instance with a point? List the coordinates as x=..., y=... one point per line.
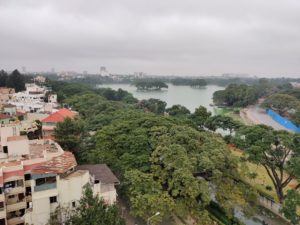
x=169, y=37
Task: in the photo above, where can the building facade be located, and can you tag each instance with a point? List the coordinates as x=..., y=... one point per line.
x=37, y=176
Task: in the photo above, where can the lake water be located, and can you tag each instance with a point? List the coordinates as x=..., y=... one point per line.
x=187, y=96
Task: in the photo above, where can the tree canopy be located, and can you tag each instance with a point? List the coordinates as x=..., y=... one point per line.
x=281, y=103
x=236, y=95
x=93, y=210
x=150, y=85
x=277, y=151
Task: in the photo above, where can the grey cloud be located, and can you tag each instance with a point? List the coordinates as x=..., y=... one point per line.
x=191, y=37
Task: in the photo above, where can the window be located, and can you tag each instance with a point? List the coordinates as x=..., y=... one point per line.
x=97, y=181
x=5, y=149
x=28, y=191
x=47, y=180
x=73, y=204
x=28, y=176
x=11, y=196
x=53, y=199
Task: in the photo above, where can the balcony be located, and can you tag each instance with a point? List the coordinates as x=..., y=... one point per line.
x=27, y=183
x=2, y=213
x=28, y=198
x=16, y=206
x=15, y=221
x=45, y=187
x=15, y=190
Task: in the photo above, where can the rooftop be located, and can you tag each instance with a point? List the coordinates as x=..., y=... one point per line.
x=59, y=116
x=57, y=165
x=101, y=172
x=9, y=106
x=17, y=138
x=4, y=116
x=37, y=150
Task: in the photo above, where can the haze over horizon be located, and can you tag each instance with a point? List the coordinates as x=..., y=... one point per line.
x=157, y=37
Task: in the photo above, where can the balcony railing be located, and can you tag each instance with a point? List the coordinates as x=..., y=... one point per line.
x=15, y=190
x=16, y=206
x=45, y=187
x=15, y=220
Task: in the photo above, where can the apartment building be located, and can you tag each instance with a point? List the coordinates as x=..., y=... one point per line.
x=37, y=176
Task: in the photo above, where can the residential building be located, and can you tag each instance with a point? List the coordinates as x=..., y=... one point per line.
x=37, y=176
x=49, y=123
x=5, y=95
x=33, y=99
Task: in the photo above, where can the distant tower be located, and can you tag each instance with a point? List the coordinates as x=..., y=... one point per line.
x=103, y=71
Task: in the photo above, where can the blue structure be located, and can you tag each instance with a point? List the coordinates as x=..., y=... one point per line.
x=282, y=121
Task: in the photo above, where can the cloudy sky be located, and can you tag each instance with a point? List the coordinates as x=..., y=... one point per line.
x=184, y=37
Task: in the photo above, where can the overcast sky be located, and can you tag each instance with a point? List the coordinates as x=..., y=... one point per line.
x=183, y=37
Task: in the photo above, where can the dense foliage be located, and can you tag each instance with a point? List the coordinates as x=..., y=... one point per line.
x=236, y=95
x=150, y=85
x=277, y=151
x=14, y=80
x=92, y=210
x=189, y=82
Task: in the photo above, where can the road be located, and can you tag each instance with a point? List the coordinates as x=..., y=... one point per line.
x=258, y=116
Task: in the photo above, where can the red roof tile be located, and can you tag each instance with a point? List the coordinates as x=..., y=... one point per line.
x=59, y=116
x=4, y=116
x=57, y=165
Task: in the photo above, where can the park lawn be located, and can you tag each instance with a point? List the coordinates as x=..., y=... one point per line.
x=230, y=112
x=262, y=180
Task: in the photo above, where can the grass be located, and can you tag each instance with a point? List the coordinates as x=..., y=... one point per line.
x=234, y=113
x=262, y=180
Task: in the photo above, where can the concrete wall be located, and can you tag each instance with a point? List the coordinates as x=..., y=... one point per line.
x=19, y=147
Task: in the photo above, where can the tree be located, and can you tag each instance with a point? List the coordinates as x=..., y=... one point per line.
x=93, y=210
x=200, y=116
x=3, y=78
x=223, y=122
x=16, y=81
x=277, y=151
x=68, y=134
x=178, y=110
x=236, y=96
x=281, y=103
x=153, y=105
x=150, y=85
x=291, y=206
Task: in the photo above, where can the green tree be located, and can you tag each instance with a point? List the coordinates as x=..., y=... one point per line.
x=150, y=85
x=291, y=205
x=236, y=96
x=223, y=122
x=16, y=81
x=178, y=110
x=3, y=78
x=153, y=105
x=277, y=151
x=281, y=103
x=69, y=133
x=93, y=211
x=200, y=116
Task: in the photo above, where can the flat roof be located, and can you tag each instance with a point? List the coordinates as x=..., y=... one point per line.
x=17, y=138
x=101, y=172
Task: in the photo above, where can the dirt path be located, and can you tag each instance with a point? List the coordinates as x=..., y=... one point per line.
x=258, y=116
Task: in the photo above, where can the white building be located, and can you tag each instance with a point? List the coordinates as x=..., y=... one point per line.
x=33, y=99
x=37, y=176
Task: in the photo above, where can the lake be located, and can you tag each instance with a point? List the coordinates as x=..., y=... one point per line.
x=187, y=96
